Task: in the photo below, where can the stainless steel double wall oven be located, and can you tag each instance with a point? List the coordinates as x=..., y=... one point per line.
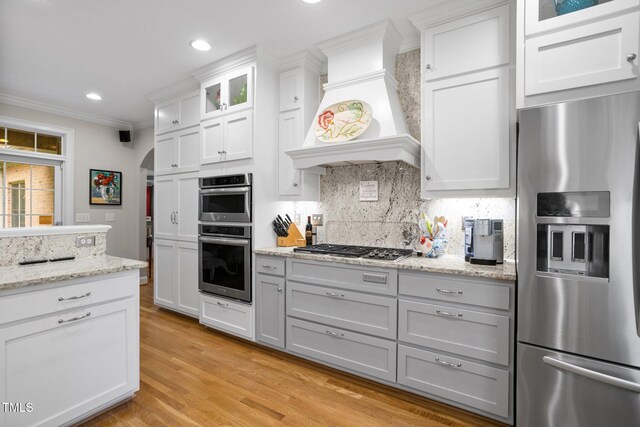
x=225, y=247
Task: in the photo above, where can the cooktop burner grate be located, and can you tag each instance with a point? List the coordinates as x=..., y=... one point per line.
x=370, y=252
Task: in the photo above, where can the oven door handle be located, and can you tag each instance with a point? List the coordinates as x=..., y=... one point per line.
x=233, y=242
x=235, y=190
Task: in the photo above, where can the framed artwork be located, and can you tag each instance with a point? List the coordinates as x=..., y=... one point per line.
x=105, y=187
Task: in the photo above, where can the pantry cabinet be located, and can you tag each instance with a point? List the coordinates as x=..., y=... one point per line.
x=176, y=207
x=178, y=113
x=227, y=138
x=564, y=55
x=178, y=151
x=176, y=276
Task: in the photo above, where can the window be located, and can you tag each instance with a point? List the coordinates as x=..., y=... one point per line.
x=32, y=162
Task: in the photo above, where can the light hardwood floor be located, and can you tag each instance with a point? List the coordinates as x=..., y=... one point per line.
x=192, y=376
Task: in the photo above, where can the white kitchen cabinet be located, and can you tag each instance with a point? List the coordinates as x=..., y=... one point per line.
x=227, y=93
x=600, y=52
x=472, y=43
x=226, y=315
x=73, y=362
x=588, y=53
x=227, y=138
x=465, y=139
x=176, y=276
x=178, y=151
x=176, y=207
x=178, y=113
x=299, y=100
x=291, y=89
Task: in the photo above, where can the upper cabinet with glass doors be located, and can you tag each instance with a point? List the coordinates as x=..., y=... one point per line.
x=226, y=93
x=548, y=15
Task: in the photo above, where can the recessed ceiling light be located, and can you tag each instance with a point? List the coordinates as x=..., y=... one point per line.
x=200, y=45
x=312, y=1
x=94, y=96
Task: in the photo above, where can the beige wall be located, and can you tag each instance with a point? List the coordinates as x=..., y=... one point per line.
x=99, y=147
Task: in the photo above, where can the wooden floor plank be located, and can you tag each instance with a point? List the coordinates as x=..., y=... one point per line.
x=193, y=376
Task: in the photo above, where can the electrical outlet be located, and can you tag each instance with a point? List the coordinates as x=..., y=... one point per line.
x=85, y=241
x=296, y=218
x=83, y=217
x=316, y=219
x=464, y=218
x=110, y=217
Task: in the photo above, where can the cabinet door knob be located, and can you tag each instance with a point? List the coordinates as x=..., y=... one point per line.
x=175, y=122
x=280, y=290
x=631, y=57
x=428, y=177
x=428, y=67
x=219, y=152
x=295, y=99
x=295, y=184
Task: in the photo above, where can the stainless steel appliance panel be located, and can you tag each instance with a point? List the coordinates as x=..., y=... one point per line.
x=225, y=267
x=555, y=389
x=581, y=146
x=231, y=204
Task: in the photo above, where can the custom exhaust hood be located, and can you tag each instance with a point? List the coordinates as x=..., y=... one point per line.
x=361, y=66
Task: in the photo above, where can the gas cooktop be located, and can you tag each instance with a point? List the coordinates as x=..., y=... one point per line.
x=370, y=252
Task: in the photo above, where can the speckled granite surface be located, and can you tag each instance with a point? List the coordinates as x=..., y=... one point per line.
x=445, y=265
x=28, y=248
x=19, y=276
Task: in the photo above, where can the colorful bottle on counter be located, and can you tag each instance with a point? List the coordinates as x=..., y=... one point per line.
x=309, y=232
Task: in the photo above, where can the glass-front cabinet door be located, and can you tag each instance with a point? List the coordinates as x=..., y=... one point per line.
x=546, y=15
x=232, y=91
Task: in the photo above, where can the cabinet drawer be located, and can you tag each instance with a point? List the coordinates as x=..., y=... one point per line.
x=371, y=356
x=371, y=314
x=226, y=315
x=270, y=265
x=588, y=55
x=469, y=333
x=468, y=383
x=475, y=292
x=45, y=301
x=366, y=279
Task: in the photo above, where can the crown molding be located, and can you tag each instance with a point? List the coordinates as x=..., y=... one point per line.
x=244, y=57
x=450, y=10
x=143, y=124
x=384, y=31
x=176, y=89
x=304, y=58
x=65, y=112
x=410, y=43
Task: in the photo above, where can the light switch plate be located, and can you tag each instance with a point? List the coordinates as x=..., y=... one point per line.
x=110, y=217
x=296, y=218
x=83, y=217
x=85, y=241
x=316, y=219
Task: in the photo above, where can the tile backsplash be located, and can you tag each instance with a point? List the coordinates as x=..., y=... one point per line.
x=392, y=220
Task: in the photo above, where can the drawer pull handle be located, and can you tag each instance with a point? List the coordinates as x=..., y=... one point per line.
x=222, y=304
x=269, y=267
x=334, y=294
x=335, y=334
x=447, y=314
x=76, y=297
x=447, y=291
x=73, y=319
x=451, y=365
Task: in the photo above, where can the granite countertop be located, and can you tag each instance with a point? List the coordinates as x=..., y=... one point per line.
x=447, y=264
x=19, y=276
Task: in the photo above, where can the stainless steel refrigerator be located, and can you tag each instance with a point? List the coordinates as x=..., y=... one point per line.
x=578, y=261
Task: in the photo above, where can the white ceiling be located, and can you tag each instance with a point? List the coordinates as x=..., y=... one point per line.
x=55, y=51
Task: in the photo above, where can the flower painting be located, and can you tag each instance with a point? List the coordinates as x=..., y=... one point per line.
x=343, y=121
x=105, y=187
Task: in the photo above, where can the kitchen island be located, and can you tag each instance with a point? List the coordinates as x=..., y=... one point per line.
x=437, y=327
x=69, y=330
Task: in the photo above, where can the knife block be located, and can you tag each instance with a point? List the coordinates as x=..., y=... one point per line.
x=295, y=238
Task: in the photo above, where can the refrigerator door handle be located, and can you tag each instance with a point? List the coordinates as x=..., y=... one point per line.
x=588, y=373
